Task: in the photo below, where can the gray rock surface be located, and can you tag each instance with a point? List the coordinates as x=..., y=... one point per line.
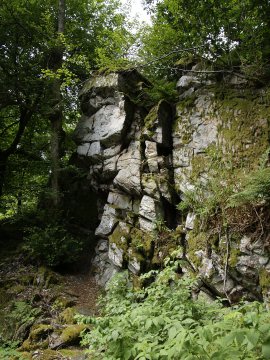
x=150, y=209
x=108, y=222
x=142, y=161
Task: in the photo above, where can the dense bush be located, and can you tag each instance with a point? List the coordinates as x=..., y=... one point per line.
x=53, y=245
x=162, y=321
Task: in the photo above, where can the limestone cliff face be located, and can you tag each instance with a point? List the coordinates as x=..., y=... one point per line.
x=143, y=162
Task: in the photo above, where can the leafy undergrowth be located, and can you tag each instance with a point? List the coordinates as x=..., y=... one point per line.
x=162, y=321
x=37, y=309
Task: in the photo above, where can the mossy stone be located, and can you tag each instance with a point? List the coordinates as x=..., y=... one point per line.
x=39, y=332
x=120, y=238
x=63, y=302
x=141, y=241
x=67, y=316
x=72, y=333
x=196, y=242
x=264, y=279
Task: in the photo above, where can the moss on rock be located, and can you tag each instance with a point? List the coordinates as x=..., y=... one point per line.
x=264, y=280
x=72, y=334
x=196, y=242
x=67, y=316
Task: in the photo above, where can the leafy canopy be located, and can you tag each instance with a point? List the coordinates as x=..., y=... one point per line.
x=96, y=35
x=231, y=34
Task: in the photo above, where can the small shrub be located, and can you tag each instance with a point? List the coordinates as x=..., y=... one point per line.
x=53, y=245
x=163, y=322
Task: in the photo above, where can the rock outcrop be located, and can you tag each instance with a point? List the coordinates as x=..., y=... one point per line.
x=144, y=160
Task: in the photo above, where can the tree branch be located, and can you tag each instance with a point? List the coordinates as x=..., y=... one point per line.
x=9, y=126
x=169, y=54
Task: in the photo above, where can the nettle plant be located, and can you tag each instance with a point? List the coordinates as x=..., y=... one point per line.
x=162, y=321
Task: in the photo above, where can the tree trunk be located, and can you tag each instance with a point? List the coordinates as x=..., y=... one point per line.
x=25, y=116
x=56, y=114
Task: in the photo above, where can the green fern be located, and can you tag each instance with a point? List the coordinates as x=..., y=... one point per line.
x=255, y=190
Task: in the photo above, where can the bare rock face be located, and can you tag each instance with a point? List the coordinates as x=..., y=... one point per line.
x=108, y=221
x=120, y=157
x=143, y=160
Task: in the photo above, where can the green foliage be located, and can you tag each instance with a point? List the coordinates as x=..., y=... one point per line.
x=96, y=35
x=162, y=321
x=23, y=312
x=255, y=190
x=209, y=195
x=232, y=34
x=25, y=180
x=9, y=352
x=16, y=318
x=162, y=90
x=53, y=245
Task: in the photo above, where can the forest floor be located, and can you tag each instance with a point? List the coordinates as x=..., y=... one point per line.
x=38, y=308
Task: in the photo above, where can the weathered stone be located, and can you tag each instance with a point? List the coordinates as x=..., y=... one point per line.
x=131, y=155
x=82, y=150
x=146, y=225
x=111, y=152
x=136, y=206
x=104, y=269
x=183, y=181
x=71, y=334
x=95, y=150
x=253, y=262
x=150, y=208
x=182, y=156
x=139, y=162
x=129, y=164
x=203, y=136
x=186, y=94
x=248, y=246
x=83, y=128
x=129, y=179
x=100, y=82
x=104, y=126
x=236, y=80
x=116, y=255
x=207, y=268
x=102, y=246
x=107, y=275
x=153, y=165
x=149, y=185
x=108, y=222
x=150, y=149
x=109, y=169
x=121, y=201
x=164, y=185
x=126, y=81
x=190, y=221
x=133, y=263
x=197, y=77
x=158, y=125
x=187, y=81
x=91, y=105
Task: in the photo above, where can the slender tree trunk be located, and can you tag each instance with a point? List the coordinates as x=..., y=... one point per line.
x=25, y=116
x=61, y=17
x=19, y=202
x=56, y=114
